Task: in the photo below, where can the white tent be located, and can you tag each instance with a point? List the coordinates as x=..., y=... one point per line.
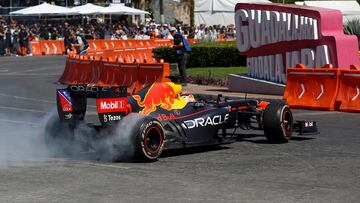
x=87, y=9
x=349, y=9
x=122, y=10
x=43, y=9
x=213, y=12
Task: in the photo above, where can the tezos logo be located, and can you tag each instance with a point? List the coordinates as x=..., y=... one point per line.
x=202, y=122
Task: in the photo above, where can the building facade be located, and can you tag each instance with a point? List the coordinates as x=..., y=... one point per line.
x=175, y=11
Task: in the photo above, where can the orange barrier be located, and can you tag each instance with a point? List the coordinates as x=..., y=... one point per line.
x=52, y=47
x=64, y=77
x=153, y=72
x=348, y=97
x=119, y=74
x=94, y=45
x=108, y=74
x=93, y=71
x=191, y=40
x=35, y=48
x=162, y=42
x=96, y=68
x=312, y=88
x=76, y=72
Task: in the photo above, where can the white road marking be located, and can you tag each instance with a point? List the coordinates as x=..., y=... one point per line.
x=27, y=98
x=18, y=122
x=108, y=165
x=36, y=100
x=30, y=74
x=319, y=113
x=21, y=109
x=34, y=69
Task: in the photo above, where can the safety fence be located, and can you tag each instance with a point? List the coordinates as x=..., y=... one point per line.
x=323, y=88
x=57, y=47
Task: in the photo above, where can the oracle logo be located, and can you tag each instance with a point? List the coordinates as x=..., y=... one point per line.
x=203, y=122
x=109, y=105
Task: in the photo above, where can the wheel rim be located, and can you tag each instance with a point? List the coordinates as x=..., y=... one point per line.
x=153, y=139
x=287, y=121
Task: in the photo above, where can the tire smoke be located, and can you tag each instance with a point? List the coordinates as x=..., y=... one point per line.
x=116, y=143
x=21, y=140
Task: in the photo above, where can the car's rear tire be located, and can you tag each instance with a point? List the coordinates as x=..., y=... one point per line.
x=278, y=122
x=150, y=140
x=146, y=137
x=60, y=140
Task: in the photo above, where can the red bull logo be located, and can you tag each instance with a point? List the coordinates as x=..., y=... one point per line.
x=159, y=94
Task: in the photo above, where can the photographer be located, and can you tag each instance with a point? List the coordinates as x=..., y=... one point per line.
x=183, y=52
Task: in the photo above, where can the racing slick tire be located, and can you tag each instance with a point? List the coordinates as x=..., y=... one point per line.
x=147, y=136
x=59, y=139
x=278, y=122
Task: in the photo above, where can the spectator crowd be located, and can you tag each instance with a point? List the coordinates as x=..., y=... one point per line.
x=16, y=38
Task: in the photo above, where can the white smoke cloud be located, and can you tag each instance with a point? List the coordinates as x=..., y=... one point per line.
x=22, y=141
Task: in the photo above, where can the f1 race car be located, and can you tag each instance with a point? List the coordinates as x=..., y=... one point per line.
x=160, y=117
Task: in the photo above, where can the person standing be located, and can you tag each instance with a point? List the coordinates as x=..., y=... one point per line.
x=81, y=42
x=183, y=52
x=8, y=42
x=2, y=42
x=66, y=33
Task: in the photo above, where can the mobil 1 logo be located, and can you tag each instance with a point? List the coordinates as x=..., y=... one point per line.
x=111, y=110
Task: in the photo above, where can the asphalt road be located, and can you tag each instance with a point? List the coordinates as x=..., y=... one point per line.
x=321, y=168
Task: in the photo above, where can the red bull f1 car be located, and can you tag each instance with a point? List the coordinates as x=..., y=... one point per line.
x=160, y=117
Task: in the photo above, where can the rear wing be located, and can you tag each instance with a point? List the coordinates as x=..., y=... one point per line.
x=111, y=103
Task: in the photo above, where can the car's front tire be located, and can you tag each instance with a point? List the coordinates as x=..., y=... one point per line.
x=278, y=122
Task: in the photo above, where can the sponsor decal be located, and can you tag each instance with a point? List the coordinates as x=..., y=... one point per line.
x=68, y=116
x=159, y=94
x=228, y=108
x=109, y=118
x=82, y=88
x=65, y=100
x=109, y=105
x=203, y=122
x=309, y=124
x=163, y=116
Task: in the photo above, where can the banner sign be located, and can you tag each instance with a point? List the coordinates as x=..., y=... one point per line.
x=275, y=37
